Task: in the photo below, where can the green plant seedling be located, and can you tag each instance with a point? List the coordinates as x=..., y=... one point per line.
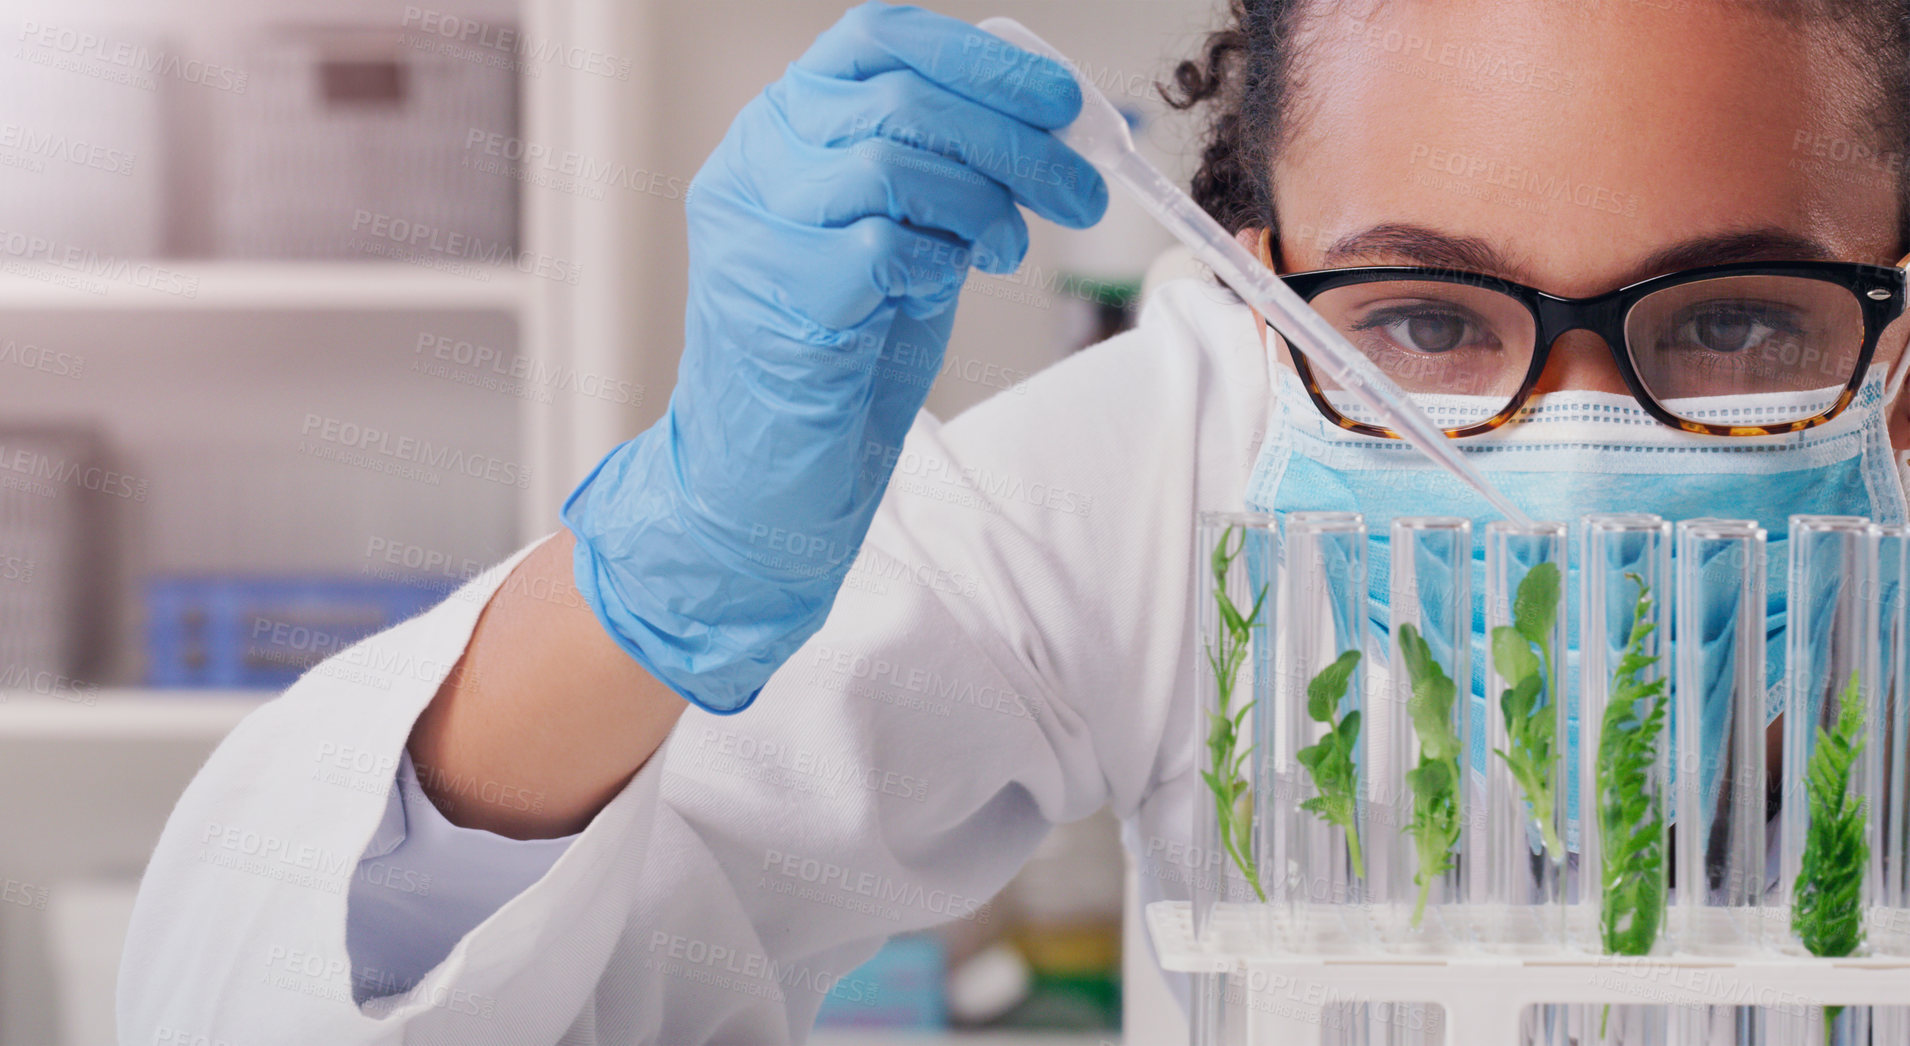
x=1329, y=761
x=1828, y=915
x=1435, y=780
x=1531, y=724
x=1225, y=777
x=1631, y=824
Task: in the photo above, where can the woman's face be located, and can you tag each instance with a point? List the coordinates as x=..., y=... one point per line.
x=1581, y=145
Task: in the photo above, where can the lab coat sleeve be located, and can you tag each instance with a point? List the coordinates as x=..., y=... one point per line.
x=238, y=934
x=1009, y=652
x=424, y=882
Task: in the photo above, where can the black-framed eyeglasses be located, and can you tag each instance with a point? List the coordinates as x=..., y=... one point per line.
x=1471, y=347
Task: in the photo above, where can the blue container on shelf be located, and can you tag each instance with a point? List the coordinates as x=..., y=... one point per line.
x=262, y=633
x=901, y=986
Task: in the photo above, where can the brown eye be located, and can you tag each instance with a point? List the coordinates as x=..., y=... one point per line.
x=1435, y=333
x=1425, y=331
x=1730, y=328
x=1723, y=331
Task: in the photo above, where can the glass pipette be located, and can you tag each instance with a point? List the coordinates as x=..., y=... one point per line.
x=1100, y=134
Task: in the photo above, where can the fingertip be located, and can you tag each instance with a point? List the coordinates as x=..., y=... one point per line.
x=927, y=306
x=1003, y=247
x=1061, y=90
x=1097, y=198
x=1090, y=199
x=1031, y=87
x=996, y=263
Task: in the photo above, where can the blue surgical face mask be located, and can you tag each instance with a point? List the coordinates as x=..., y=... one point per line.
x=1577, y=453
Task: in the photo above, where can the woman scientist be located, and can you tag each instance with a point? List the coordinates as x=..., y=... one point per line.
x=530, y=816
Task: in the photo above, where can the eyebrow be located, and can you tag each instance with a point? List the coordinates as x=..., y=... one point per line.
x=1423, y=245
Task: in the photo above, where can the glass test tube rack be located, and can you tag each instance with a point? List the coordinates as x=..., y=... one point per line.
x=1471, y=792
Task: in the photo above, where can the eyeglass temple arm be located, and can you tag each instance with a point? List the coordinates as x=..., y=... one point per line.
x=1898, y=370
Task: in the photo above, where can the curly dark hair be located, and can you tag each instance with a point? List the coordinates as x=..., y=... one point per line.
x=1246, y=72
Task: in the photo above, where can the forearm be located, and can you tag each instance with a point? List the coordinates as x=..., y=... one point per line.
x=544, y=711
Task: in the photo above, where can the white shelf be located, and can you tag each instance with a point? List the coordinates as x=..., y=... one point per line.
x=850, y=1037
x=130, y=714
x=196, y=15
x=262, y=285
x=1485, y=994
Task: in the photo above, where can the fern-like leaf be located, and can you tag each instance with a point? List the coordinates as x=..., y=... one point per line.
x=1631, y=825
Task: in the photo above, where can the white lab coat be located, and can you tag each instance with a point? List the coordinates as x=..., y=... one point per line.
x=1014, y=649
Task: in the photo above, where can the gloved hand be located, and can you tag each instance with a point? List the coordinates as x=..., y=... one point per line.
x=830, y=234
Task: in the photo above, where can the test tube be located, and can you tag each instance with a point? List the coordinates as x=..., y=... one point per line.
x=1722, y=876
x=1888, y=932
x=1616, y=1024
x=1799, y=1025
x=1624, y=743
x=1521, y=888
x=1889, y=1024
x=1624, y=722
x=1830, y=633
x=1319, y=800
x=1826, y=827
x=1700, y=1024
x=1234, y=571
x=1418, y=758
x=1376, y=1023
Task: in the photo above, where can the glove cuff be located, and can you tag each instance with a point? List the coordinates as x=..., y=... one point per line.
x=708, y=633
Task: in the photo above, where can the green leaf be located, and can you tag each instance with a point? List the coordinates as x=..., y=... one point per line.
x=1222, y=732
x=1433, y=692
x=1632, y=836
x=1233, y=802
x=1827, y=906
x=1429, y=778
x=1535, y=605
x=1253, y=615
x=1416, y=653
x=1229, y=617
x=1326, y=689
x=1223, y=558
x=1518, y=703
x=1349, y=729
x=1512, y=656
x=1529, y=726
x=1329, y=761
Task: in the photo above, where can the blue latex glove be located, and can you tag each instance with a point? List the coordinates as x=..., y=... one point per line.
x=830, y=235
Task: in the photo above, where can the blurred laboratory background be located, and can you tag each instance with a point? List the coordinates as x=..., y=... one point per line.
x=310, y=309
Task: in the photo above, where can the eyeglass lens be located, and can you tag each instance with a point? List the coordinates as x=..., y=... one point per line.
x=1736, y=350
